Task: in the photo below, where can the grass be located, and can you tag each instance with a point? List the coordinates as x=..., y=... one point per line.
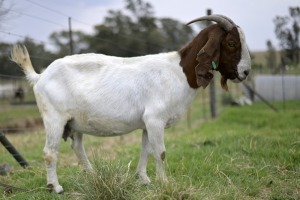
x=246, y=153
x=19, y=116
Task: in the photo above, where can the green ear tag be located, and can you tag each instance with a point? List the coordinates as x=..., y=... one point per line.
x=214, y=65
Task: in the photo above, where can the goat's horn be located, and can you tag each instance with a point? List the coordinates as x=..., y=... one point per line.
x=225, y=17
x=220, y=19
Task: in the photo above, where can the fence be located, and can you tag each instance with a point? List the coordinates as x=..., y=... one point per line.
x=12, y=150
x=277, y=87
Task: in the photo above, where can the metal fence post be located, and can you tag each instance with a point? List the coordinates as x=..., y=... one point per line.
x=13, y=151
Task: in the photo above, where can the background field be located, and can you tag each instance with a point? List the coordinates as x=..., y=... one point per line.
x=246, y=153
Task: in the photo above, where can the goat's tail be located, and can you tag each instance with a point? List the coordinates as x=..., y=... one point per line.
x=20, y=55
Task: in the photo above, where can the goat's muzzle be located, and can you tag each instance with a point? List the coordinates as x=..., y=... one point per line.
x=234, y=77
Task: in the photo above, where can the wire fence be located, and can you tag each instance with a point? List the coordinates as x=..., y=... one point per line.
x=20, y=123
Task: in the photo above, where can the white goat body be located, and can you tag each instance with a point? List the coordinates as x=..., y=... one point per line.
x=105, y=95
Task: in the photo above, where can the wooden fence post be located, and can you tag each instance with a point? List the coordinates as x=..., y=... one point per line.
x=212, y=88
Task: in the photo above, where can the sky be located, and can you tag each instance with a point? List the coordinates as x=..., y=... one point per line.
x=38, y=19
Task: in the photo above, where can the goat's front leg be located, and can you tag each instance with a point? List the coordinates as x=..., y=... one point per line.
x=78, y=148
x=155, y=129
x=54, y=130
x=142, y=166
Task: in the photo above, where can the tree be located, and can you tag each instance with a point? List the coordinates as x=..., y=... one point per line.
x=61, y=40
x=4, y=10
x=118, y=36
x=287, y=30
x=135, y=31
x=7, y=67
x=39, y=56
x=175, y=33
x=271, y=56
x=130, y=33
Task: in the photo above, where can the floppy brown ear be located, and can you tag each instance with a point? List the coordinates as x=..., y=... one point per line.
x=209, y=53
x=204, y=72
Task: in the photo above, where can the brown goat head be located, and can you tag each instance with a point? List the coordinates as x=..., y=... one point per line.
x=219, y=47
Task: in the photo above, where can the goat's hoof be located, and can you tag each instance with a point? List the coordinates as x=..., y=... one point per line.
x=50, y=187
x=162, y=179
x=58, y=189
x=88, y=170
x=144, y=179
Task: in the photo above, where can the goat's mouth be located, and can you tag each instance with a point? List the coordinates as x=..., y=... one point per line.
x=238, y=79
x=241, y=77
x=234, y=77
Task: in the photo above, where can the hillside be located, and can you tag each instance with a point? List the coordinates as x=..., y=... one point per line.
x=259, y=57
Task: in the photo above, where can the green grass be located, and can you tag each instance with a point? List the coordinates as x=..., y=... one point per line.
x=17, y=114
x=246, y=153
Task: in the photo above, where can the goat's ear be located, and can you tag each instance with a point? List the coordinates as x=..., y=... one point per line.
x=204, y=72
x=208, y=57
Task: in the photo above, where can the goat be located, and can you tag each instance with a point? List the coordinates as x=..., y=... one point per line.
x=105, y=95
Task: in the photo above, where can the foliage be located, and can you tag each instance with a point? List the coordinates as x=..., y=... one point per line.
x=271, y=56
x=287, y=29
x=138, y=32
x=17, y=115
x=133, y=31
x=40, y=57
x=62, y=41
x=174, y=33
x=6, y=65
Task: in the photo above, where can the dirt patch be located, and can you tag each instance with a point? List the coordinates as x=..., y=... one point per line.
x=24, y=125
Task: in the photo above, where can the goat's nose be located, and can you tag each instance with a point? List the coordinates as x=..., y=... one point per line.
x=246, y=72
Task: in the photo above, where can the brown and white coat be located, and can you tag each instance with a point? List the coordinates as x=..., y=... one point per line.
x=106, y=96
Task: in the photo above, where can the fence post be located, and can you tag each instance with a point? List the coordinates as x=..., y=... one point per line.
x=12, y=150
x=212, y=87
x=261, y=97
x=71, y=37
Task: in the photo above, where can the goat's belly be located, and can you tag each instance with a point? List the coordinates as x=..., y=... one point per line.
x=105, y=127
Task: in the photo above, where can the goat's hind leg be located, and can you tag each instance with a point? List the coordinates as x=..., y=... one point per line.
x=142, y=166
x=54, y=125
x=78, y=148
x=156, y=139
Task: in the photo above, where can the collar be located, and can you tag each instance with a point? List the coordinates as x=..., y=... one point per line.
x=213, y=63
